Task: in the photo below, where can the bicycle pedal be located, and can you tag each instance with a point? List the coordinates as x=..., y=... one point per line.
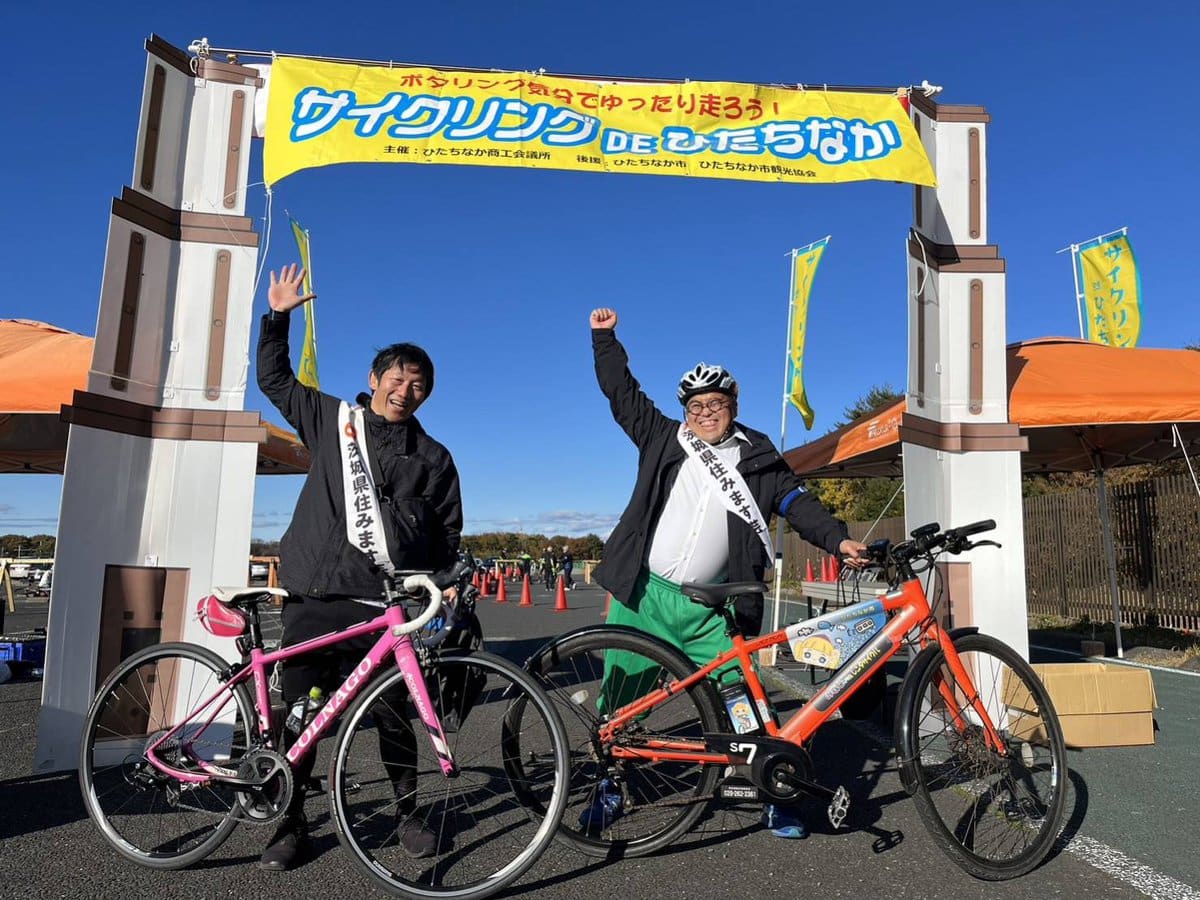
x=838, y=807
x=739, y=790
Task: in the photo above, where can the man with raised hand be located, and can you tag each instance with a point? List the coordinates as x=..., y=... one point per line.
x=329, y=560
x=699, y=512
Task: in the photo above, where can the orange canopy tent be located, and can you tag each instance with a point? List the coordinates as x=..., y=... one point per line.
x=41, y=367
x=1082, y=406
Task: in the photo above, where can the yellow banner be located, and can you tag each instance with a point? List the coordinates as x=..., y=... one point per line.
x=804, y=269
x=1112, y=291
x=307, y=373
x=321, y=113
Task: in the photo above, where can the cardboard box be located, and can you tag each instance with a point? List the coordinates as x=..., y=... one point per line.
x=1098, y=705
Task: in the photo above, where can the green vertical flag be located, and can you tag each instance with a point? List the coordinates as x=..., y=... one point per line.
x=307, y=370
x=804, y=268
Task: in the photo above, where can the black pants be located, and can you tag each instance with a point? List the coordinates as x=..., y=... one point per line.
x=307, y=618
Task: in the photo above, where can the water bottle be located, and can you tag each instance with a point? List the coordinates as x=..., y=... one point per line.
x=303, y=710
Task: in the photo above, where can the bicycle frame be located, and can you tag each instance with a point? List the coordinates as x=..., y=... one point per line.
x=910, y=609
x=399, y=646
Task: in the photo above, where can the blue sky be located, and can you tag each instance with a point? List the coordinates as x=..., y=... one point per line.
x=494, y=271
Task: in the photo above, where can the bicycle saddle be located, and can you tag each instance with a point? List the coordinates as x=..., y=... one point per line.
x=715, y=595
x=247, y=597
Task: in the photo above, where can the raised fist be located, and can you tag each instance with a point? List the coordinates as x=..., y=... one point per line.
x=604, y=318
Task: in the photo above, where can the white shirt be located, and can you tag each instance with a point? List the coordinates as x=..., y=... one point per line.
x=691, y=540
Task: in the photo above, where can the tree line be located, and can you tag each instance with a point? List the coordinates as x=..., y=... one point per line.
x=497, y=545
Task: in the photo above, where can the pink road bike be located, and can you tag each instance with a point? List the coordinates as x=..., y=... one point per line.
x=180, y=746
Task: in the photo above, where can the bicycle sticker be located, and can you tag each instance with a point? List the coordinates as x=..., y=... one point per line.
x=829, y=640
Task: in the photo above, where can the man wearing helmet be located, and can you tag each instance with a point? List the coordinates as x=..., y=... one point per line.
x=690, y=519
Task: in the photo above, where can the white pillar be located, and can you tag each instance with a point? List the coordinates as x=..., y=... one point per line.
x=961, y=455
x=158, y=487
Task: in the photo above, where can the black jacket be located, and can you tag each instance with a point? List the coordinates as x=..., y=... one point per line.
x=774, y=486
x=422, y=507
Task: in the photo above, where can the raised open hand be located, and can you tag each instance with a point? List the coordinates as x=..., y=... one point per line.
x=284, y=293
x=604, y=318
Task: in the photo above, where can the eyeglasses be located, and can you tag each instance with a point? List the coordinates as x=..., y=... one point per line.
x=715, y=405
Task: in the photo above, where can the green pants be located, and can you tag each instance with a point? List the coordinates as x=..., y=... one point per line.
x=667, y=614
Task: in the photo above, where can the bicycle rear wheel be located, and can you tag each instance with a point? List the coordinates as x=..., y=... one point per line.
x=996, y=813
x=489, y=828
x=588, y=674
x=151, y=818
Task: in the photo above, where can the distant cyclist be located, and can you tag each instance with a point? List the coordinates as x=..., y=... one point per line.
x=568, y=563
x=548, y=568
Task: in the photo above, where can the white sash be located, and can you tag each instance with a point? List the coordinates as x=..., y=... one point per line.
x=734, y=492
x=364, y=527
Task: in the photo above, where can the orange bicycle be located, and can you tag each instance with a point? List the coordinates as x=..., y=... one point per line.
x=653, y=737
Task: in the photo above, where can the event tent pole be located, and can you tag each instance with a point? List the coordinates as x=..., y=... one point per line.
x=1109, y=555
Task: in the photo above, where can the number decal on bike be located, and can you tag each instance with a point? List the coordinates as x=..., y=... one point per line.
x=737, y=749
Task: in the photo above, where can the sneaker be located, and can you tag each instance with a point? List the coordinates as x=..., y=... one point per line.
x=783, y=822
x=604, y=809
x=288, y=848
x=417, y=840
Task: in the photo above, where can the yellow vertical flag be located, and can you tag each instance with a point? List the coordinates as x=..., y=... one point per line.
x=804, y=268
x=307, y=372
x=1112, y=290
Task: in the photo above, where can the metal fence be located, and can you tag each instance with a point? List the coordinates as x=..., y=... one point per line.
x=1155, y=527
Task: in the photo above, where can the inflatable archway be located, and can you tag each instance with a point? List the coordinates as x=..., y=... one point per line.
x=158, y=487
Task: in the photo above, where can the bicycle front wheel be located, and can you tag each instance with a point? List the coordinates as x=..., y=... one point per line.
x=481, y=827
x=622, y=807
x=995, y=810
x=149, y=817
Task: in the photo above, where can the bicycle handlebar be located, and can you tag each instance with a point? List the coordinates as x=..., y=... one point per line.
x=411, y=585
x=927, y=541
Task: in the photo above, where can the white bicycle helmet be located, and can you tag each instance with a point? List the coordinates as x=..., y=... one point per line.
x=705, y=379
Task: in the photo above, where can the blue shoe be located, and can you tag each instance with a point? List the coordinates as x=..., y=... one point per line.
x=783, y=821
x=604, y=809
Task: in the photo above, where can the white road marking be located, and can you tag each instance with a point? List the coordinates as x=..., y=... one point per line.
x=1124, y=868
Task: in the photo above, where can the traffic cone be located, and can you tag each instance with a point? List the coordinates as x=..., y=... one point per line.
x=526, y=594
x=485, y=588
x=501, y=593
x=560, y=597
x=475, y=580
x=825, y=569
x=808, y=572
x=834, y=568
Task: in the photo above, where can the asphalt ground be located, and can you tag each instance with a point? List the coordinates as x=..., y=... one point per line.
x=1131, y=831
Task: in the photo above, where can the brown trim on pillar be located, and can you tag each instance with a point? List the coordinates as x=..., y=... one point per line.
x=158, y=84
x=177, y=217
x=180, y=424
x=233, y=150
x=948, y=112
x=227, y=73
x=975, y=325
x=918, y=212
x=205, y=228
x=974, y=184
x=959, y=437
x=955, y=257
x=127, y=324
x=216, y=331
x=922, y=278
x=169, y=54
